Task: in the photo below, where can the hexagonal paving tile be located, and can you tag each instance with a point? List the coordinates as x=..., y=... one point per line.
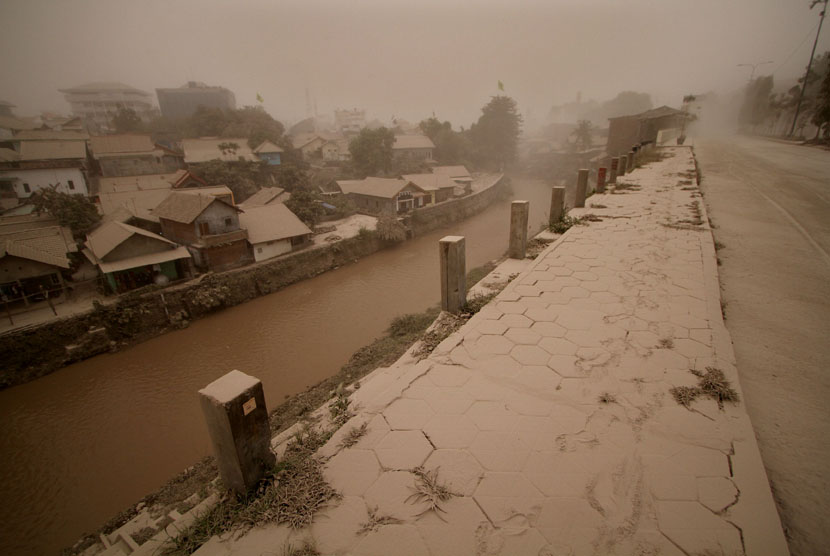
x=565, y=366
x=451, y=431
x=408, y=414
x=716, y=493
x=504, y=495
x=492, y=345
x=352, y=471
x=500, y=451
x=516, y=321
x=511, y=307
x=403, y=449
x=530, y=355
x=524, y=336
x=539, y=378
x=449, y=375
x=450, y=401
x=389, y=494
x=549, y=329
x=455, y=530
x=335, y=528
x=401, y=540
x=527, y=404
x=495, y=327
x=558, y=346
x=579, y=320
x=492, y=416
x=458, y=469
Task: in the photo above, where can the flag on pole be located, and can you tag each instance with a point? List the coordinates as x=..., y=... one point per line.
x=259, y=98
x=501, y=86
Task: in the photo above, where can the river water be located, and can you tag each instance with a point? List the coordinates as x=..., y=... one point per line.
x=82, y=444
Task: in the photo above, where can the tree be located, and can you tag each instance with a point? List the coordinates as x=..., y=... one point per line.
x=126, y=121
x=390, y=229
x=76, y=212
x=371, y=151
x=242, y=177
x=496, y=134
x=757, y=102
x=255, y=124
x=583, y=135
x=306, y=206
x=228, y=147
x=451, y=147
x=821, y=116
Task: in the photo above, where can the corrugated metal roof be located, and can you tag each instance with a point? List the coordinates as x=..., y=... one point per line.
x=119, y=145
x=206, y=149
x=264, y=196
x=268, y=147
x=26, y=251
x=139, y=261
x=270, y=223
x=185, y=207
x=47, y=244
x=430, y=182
x=140, y=203
x=110, y=235
x=52, y=150
x=412, y=142
x=452, y=171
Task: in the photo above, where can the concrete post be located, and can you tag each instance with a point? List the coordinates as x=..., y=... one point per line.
x=621, y=169
x=519, y=211
x=612, y=176
x=601, y=180
x=630, y=163
x=237, y=420
x=557, y=205
x=581, y=188
x=453, y=273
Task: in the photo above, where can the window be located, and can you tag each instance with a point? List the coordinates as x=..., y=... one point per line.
x=259, y=249
x=26, y=188
x=228, y=222
x=71, y=184
x=204, y=229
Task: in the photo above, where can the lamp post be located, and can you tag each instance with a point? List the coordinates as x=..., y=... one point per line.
x=807, y=73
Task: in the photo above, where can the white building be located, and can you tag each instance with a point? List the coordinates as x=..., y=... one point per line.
x=100, y=102
x=273, y=230
x=47, y=164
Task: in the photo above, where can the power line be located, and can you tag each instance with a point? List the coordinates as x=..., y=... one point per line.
x=796, y=49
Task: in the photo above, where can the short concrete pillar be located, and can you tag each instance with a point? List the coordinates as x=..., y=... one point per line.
x=581, y=188
x=601, y=180
x=623, y=167
x=557, y=205
x=630, y=163
x=519, y=212
x=612, y=175
x=453, y=273
x=237, y=420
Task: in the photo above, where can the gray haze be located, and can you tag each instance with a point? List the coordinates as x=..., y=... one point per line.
x=400, y=58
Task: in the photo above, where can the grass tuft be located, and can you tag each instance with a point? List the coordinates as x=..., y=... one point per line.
x=607, y=397
x=428, y=489
x=355, y=433
x=376, y=522
x=711, y=384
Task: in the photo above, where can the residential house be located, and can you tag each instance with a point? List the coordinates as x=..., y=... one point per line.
x=440, y=187
x=129, y=257
x=183, y=101
x=133, y=155
x=98, y=103
x=208, y=226
x=34, y=252
x=416, y=147
x=626, y=131
x=61, y=165
x=206, y=149
x=459, y=175
x=266, y=196
x=273, y=230
x=270, y=153
x=133, y=198
x=384, y=195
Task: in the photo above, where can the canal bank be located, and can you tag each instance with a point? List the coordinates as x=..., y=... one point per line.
x=134, y=317
x=96, y=437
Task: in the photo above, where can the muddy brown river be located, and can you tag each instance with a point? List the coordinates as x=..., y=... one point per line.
x=89, y=440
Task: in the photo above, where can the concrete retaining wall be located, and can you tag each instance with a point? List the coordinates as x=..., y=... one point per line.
x=432, y=217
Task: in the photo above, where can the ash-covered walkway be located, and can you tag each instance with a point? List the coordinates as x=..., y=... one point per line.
x=552, y=416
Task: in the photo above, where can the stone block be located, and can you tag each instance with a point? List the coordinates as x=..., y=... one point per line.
x=519, y=211
x=581, y=188
x=453, y=273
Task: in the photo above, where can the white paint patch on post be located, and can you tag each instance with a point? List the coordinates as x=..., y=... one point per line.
x=581, y=188
x=237, y=420
x=453, y=273
x=557, y=204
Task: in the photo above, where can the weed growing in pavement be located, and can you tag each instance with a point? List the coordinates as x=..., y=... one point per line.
x=305, y=549
x=567, y=222
x=354, y=434
x=376, y=521
x=607, y=397
x=666, y=343
x=428, y=489
x=339, y=407
x=711, y=384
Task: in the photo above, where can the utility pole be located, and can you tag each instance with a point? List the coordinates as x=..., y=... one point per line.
x=813, y=53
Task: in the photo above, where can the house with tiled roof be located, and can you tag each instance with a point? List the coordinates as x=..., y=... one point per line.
x=205, y=149
x=129, y=257
x=273, y=230
x=266, y=196
x=384, y=195
x=269, y=153
x=34, y=253
x=208, y=226
x=416, y=147
x=133, y=154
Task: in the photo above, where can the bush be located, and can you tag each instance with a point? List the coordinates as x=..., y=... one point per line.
x=390, y=229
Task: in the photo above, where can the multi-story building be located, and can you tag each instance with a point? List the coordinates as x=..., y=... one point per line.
x=183, y=101
x=99, y=102
x=349, y=121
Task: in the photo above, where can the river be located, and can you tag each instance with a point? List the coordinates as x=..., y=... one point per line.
x=85, y=442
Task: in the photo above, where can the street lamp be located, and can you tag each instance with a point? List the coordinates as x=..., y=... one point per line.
x=753, y=66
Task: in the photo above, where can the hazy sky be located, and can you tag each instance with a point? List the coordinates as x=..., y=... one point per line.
x=400, y=58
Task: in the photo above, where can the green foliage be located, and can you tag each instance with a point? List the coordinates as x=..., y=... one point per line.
x=371, y=151
x=241, y=176
x=582, y=135
x=290, y=176
x=76, y=212
x=496, y=134
x=390, y=229
x=305, y=204
x=757, y=103
x=126, y=121
x=343, y=206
